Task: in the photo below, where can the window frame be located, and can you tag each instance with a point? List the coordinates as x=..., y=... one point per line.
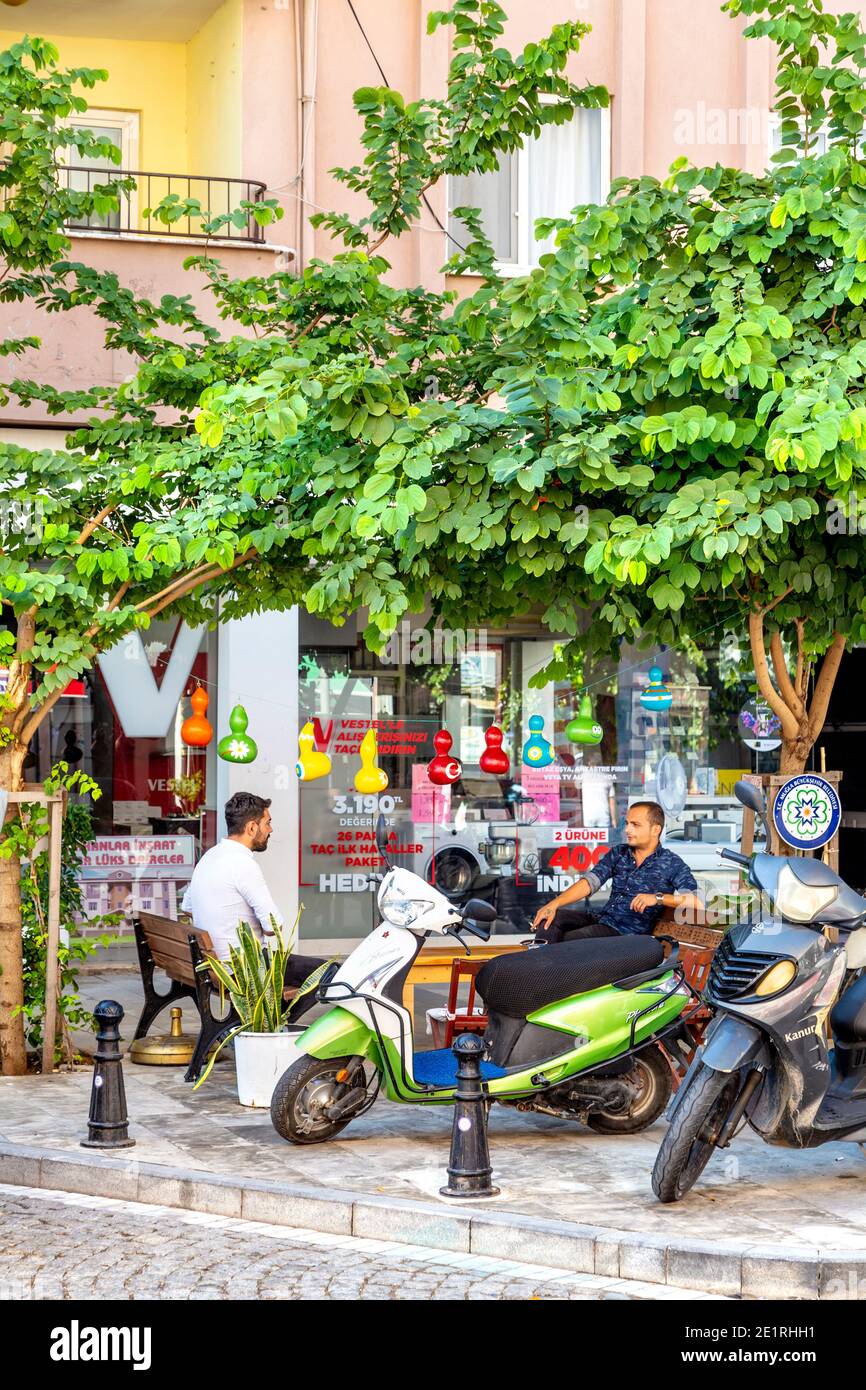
x=524, y=264
x=129, y=123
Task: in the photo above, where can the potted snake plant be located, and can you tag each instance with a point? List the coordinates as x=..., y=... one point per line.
x=265, y=1044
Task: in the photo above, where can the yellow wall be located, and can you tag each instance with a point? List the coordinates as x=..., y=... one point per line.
x=146, y=77
x=188, y=95
x=214, y=93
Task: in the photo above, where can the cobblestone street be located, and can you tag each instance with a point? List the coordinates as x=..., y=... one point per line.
x=65, y=1246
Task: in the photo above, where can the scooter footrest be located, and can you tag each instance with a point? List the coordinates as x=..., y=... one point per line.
x=439, y=1068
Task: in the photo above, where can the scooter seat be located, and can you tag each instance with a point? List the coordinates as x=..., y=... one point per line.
x=516, y=985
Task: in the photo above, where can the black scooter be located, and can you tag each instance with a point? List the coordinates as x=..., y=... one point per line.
x=768, y=1056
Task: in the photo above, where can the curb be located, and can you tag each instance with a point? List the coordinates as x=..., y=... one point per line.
x=738, y=1270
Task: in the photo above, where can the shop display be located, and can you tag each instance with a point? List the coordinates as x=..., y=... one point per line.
x=370, y=778
x=444, y=770
x=238, y=746
x=197, y=730
x=537, y=751
x=584, y=728
x=311, y=763
x=494, y=759
x=656, y=696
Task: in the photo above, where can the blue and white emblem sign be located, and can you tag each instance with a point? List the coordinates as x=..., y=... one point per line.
x=806, y=812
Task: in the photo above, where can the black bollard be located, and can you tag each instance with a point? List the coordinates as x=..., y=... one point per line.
x=469, y=1171
x=107, y=1124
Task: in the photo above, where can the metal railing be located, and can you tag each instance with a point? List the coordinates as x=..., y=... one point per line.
x=134, y=216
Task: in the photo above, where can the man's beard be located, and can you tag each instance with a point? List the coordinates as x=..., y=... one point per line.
x=259, y=846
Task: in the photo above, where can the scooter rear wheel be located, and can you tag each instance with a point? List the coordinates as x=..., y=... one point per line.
x=651, y=1073
x=303, y=1094
x=690, y=1141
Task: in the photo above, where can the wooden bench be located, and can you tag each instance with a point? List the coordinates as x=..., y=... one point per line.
x=178, y=949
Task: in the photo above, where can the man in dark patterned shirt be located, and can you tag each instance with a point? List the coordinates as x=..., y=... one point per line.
x=644, y=878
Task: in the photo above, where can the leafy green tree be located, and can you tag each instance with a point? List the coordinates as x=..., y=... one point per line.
x=648, y=429
x=197, y=488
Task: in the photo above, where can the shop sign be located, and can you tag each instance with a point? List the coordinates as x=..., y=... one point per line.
x=806, y=812
x=135, y=873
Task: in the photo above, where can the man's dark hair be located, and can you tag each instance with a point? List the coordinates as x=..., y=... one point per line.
x=654, y=811
x=243, y=807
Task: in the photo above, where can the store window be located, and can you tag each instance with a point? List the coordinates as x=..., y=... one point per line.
x=518, y=838
x=564, y=167
x=121, y=723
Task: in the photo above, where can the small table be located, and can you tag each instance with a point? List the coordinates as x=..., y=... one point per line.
x=433, y=965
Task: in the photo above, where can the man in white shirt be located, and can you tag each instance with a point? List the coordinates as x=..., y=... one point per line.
x=228, y=887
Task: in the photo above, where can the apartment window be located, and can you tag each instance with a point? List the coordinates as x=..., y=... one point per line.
x=565, y=166
x=122, y=129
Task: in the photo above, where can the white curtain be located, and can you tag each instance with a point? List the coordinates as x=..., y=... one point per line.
x=496, y=195
x=564, y=172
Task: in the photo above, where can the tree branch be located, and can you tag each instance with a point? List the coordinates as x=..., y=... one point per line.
x=768, y=608
x=194, y=583
x=824, y=685
x=783, y=679
x=36, y=718
x=790, y=726
x=88, y=530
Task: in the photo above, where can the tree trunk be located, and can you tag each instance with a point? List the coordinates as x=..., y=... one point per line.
x=795, y=753
x=13, y=1056
x=801, y=720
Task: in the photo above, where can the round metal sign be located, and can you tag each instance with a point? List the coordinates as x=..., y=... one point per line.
x=759, y=727
x=806, y=812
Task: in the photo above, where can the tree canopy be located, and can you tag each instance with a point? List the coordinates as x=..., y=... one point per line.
x=648, y=426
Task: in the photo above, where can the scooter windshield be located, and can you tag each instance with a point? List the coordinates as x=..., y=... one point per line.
x=807, y=891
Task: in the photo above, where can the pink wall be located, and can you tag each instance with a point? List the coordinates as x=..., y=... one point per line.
x=72, y=355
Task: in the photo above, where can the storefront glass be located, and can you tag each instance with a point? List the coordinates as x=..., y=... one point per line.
x=157, y=812
x=514, y=839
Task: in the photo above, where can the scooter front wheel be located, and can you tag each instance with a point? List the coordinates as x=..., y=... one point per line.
x=690, y=1141
x=651, y=1076
x=308, y=1093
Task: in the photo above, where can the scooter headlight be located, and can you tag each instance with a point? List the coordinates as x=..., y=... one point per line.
x=777, y=978
x=400, y=910
x=801, y=902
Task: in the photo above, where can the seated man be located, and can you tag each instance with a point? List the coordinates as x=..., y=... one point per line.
x=228, y=887
x=644, y=878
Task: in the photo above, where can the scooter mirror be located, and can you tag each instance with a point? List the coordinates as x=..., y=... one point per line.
x=478, y=911
x=382, y=839
x=749, y=795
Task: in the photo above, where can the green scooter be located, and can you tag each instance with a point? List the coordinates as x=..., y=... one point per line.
x=575, y=1029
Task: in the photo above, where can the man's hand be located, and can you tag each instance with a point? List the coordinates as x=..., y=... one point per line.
x=544, y=917
x=643, y=901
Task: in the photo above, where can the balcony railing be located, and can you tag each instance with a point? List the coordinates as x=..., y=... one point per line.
x=134, y=216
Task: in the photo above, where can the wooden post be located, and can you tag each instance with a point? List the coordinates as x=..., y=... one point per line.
x=52, y=965
x=56, y=804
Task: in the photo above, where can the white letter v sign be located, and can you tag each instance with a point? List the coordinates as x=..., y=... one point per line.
x=145, y=710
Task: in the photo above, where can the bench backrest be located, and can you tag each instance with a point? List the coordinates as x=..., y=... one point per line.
x=169, y=945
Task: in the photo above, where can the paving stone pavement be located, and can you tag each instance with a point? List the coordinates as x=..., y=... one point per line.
x=57, y=1245
x=752, y=1194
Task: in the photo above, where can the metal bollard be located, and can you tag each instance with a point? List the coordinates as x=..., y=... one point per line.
x=469, y=1170
x=107, y=1124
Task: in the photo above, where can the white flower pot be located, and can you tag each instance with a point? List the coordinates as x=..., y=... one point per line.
x=260, y=1060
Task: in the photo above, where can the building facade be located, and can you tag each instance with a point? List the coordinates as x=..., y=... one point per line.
x=227, y=99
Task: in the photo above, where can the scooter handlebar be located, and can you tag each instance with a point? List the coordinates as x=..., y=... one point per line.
x=735, y=857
